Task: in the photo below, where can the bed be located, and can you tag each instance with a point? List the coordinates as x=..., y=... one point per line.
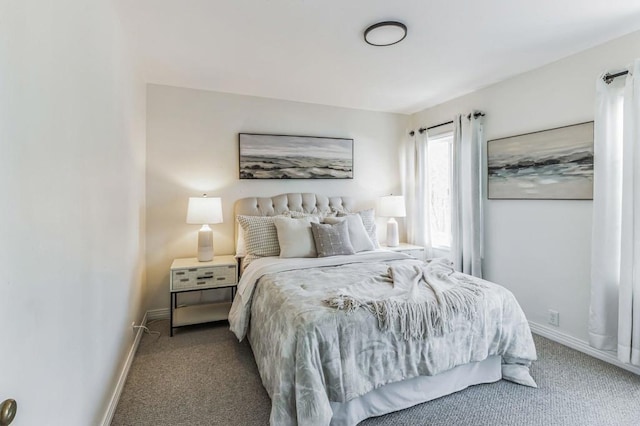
x=336, y=342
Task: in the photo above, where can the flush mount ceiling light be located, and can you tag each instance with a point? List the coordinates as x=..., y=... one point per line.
x=385, y=33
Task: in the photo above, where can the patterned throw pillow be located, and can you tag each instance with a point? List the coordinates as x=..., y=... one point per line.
x=331, y=240
x=241, y=249
x=260, y=235
x=358, y=235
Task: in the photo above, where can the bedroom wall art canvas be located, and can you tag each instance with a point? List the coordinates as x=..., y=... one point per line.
x=295, y=157
x=555, y=164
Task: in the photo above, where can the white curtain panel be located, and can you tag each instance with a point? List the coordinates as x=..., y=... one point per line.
x=614, y=315
x=466, y=195
x=416, y=192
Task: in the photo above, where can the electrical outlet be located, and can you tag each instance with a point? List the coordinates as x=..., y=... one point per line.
x=554, y=317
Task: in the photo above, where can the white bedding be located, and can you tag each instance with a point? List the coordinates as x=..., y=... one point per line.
x=311, y=355
x=240, y=310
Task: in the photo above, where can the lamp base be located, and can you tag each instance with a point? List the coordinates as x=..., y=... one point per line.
x=205, y=244
x=393, y=240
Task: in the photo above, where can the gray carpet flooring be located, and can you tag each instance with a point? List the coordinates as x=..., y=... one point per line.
x=203, y=376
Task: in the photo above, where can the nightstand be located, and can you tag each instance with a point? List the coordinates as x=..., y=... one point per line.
x=190, y=275
x=410, y=249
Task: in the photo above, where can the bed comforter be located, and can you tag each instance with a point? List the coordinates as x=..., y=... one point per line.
x=309, y=353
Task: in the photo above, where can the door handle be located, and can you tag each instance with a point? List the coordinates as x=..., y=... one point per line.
x=8, y=410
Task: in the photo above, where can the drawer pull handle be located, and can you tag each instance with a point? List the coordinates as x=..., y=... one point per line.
x=179, y=273
x=220, y=278
x=184, y=280
x=205, y=277
x=193, y=269
x=201, y=282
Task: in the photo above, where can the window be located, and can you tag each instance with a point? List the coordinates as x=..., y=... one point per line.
x=440, y=161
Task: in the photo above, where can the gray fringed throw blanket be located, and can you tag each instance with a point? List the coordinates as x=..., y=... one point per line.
x=422, y=301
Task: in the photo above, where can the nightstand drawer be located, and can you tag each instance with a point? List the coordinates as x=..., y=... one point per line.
x=206, y=277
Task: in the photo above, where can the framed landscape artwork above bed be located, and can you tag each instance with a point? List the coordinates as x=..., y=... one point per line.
x=555, y=164
x=295, y=157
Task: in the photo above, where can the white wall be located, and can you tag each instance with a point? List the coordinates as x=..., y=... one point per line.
x=192, y=148
x=541, y=249
x=72, y=215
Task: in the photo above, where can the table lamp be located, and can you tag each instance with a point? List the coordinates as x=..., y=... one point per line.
x=204, y=211
x=392, y=206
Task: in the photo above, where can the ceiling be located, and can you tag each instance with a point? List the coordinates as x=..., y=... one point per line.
x=313, y=50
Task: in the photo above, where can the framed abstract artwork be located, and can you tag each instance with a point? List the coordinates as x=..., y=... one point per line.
x=555, y=164
x=295, y=157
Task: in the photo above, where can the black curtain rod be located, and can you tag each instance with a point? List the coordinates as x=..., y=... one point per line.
x=424, y=129
x=608, y=77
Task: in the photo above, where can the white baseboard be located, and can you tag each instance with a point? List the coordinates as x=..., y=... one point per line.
x=156, y=314
x=115, y=397
x=580, y=345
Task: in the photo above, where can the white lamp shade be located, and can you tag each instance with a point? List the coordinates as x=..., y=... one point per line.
x=204, y=210
x=392, y=206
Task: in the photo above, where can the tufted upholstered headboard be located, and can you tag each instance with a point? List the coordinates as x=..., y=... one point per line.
x=294, y=201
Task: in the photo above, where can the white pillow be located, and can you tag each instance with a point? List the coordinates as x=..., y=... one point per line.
x=295, y=237
x=357, y=233
x=241, y=249
x=369, y=221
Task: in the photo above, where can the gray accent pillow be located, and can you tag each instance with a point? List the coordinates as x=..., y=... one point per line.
x=332, y=240
x=357, y=233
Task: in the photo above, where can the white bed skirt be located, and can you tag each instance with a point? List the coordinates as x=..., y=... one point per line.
x=405, y=394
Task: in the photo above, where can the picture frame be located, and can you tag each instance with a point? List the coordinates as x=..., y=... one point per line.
x=553, y=164
x=267, y=156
